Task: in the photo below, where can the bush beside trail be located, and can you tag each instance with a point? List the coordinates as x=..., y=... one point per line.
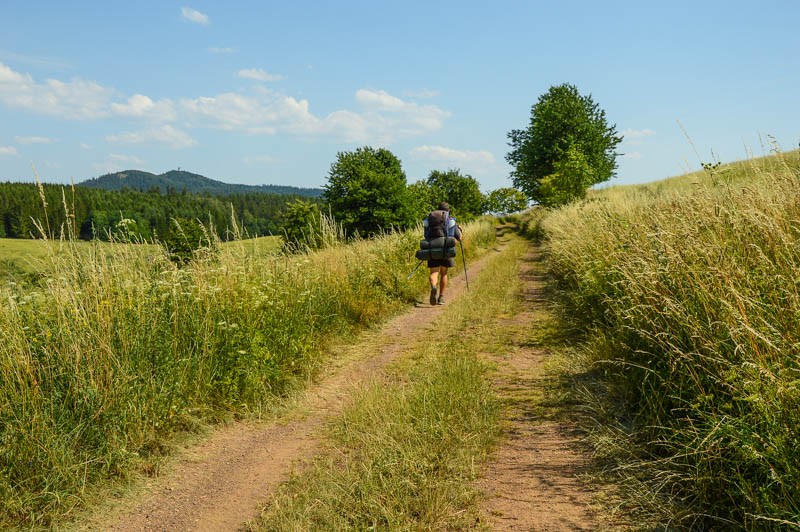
x=690, y=296
x=113, y=354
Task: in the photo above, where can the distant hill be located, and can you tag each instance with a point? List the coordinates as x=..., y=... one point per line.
x=180, y=180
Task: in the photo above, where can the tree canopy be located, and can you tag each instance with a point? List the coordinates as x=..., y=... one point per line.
x=461, y=191
x=366, y=191
x=505, y=201
x=567, y=147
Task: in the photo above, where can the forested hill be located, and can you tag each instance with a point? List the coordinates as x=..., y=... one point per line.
x=180, y=181
x=97, y=211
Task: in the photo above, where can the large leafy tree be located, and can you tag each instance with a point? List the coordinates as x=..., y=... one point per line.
x=568, y=147
x=366, y=191
x=461, y=191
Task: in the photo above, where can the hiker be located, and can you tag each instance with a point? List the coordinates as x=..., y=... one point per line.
x=438, y=224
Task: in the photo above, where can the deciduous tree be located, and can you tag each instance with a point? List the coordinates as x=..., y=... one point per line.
x=366, y=191
x=461, y=191
x=568, y=147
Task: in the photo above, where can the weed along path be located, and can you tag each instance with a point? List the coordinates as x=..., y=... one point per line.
x=531, y=482
x=219, y=483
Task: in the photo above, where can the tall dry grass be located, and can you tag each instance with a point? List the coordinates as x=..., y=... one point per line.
x=689, y=291
x=113, y=353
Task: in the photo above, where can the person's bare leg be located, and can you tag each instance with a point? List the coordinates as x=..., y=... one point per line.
x=442, y=283
x=434, y=279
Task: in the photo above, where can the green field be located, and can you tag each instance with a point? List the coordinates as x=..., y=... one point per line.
x=25, y=256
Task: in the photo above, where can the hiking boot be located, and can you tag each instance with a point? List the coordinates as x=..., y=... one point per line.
x=440, y=301
x=433, y=295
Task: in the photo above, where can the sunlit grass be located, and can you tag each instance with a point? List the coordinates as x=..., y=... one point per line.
x=689, y=296
x=403, y=455
x=112, y=349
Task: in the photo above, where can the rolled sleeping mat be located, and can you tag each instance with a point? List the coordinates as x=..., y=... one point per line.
x=435, y=253
x=439, y=242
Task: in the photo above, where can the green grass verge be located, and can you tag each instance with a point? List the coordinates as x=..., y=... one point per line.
x=403, y=455
x=688, y=297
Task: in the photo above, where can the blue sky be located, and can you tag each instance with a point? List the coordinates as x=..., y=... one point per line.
x=269, y=92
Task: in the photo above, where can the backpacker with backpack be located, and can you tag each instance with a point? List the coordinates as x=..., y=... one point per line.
x=437, y=245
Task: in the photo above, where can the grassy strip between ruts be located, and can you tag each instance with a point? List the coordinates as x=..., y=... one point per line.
x=402, y=455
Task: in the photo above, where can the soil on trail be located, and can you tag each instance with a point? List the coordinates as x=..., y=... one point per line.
x=220, y=483
x=531, y=482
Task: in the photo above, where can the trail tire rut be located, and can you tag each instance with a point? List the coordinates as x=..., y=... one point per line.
x=531, y=482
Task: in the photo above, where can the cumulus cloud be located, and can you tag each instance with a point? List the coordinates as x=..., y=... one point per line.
x=77, y=99
x=8, y=150
x=258, y=75
x=441, y=154
x=25, y=141
x=165, y=134
x=637, y=133
x=378, y=116
x=383, y=118
x=192, y=15
x=141, y=106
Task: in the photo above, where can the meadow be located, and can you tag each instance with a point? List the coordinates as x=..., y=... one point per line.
x=112, y=350
x=687, y=295
x=27, y=256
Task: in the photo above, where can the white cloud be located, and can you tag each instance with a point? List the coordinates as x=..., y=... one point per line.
x=383, y=118
x=85, y=146
x=141, y=106
x=34, y=140
x=633, y=155
x=77, y=99
x=221, y=50
x=164, y=134
x=258, y=74
x=637, y=133
x=441, y=154
x=116, y=162
x=192, y=15
x=380, y=117
x=8, y=150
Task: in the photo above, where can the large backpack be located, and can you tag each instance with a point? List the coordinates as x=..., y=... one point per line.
x=437, y=224
x=437, y=245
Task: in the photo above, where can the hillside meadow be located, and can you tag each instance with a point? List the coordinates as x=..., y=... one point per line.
x=27, y=256
x=113, y=351
x=687, y=295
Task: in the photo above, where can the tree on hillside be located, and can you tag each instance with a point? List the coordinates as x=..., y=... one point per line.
x=366, y=191
x=462, y=192
x=567, y=147
x=505, y=201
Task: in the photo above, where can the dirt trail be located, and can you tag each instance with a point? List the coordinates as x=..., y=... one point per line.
x=219, y=484
x=531, y=481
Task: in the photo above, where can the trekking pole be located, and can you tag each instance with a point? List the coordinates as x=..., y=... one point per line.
x=414, y=270
x=464, y=259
